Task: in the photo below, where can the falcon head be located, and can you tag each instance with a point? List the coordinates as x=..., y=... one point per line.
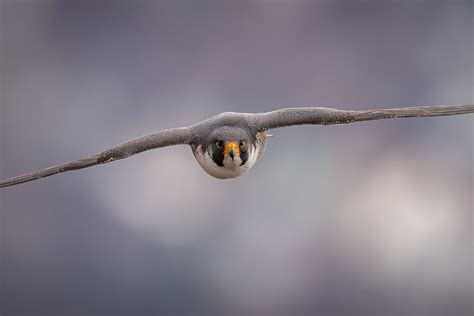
x=227, y=152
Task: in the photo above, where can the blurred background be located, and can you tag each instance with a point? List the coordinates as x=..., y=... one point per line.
x=373, y=218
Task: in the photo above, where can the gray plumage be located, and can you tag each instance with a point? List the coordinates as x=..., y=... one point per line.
x=256, y=124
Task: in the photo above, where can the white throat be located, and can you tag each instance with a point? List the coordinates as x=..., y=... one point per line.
x=232, y=167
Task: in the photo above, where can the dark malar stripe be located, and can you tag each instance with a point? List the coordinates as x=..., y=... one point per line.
x=218, y=158
x=244, y=156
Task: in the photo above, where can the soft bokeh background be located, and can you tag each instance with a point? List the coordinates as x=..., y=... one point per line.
x=371, y=218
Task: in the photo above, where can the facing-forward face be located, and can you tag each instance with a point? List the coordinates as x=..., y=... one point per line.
x=227, y=152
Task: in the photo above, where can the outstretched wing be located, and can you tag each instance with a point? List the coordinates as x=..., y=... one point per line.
x=163, y=138
x=329, y=116
x=258, y=122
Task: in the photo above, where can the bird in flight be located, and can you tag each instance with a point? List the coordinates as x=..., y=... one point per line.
x=229, y=144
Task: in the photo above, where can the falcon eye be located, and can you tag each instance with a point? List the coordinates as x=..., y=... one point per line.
x=242, y=143
x=219, y=144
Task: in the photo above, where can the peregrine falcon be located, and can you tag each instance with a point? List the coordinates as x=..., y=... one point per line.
x=229, y=144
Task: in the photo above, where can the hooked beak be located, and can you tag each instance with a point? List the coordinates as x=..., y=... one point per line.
x=232, y=149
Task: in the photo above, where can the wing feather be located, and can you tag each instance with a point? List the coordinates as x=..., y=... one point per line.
x=330, y=116
x=163, y=138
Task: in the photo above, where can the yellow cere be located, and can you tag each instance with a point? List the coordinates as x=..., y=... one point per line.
x=231, y=145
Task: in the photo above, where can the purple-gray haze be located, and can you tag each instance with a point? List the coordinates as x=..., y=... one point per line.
x=372, y=218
